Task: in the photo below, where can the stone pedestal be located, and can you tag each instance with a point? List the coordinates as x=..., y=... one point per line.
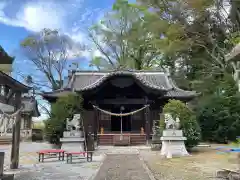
x=72, y=141
x=173, y=143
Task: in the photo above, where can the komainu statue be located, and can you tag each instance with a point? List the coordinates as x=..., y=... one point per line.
x=74, y=124
x=170, y=122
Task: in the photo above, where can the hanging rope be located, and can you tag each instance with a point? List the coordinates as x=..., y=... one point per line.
x=7, y=120
x=121, y=114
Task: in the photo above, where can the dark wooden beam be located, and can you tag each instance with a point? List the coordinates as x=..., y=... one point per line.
x=122, y=101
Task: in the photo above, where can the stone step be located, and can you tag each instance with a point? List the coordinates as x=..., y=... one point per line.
x=134, y=139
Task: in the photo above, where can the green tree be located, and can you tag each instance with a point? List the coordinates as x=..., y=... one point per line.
x=64, y=108
x=188, y=122
x=123, y=40
x=197, y=52
x=218, y=114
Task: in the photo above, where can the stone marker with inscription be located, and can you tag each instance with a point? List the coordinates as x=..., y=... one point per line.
x=173, y=139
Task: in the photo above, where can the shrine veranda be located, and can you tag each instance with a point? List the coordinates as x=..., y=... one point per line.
x=108, y=95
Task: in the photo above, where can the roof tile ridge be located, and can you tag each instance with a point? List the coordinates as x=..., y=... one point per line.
x=98, y=81
x=177, y=88
x=138, y=76
x=167, y=77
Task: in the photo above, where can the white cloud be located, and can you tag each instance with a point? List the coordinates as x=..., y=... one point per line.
x=70, y=17
x=35, y=16
x=42, y=15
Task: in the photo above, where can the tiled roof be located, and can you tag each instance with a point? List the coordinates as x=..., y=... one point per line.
x=14, y=82
x=83, y=81
x=57, y=93
x=87, y=80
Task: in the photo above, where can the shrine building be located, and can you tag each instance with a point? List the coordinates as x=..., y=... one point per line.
x=122, y=102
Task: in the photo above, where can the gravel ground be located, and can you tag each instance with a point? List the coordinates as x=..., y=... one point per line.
x=122, y=167
x=31, y=169
x=122, y=163
x=80, y=170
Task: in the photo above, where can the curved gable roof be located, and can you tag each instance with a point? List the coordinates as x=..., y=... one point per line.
x=83, y=81
x=87, y=80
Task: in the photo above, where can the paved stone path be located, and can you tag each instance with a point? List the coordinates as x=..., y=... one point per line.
x=122, y=167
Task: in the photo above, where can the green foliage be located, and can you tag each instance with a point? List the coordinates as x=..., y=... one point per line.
x=188, y=122
x=193, y=35
x=65, y=107
x=218, y=114
x=124, y=40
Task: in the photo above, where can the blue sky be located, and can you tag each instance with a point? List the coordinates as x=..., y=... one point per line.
x=19, y=18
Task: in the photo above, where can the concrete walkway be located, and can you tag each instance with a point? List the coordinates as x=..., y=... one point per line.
x=122, y=167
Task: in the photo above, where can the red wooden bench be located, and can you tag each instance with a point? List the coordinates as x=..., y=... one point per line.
x=51, y=153
x=81, y=155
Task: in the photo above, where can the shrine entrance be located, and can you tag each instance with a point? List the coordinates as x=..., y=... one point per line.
x=120, y=127
x=121, y=123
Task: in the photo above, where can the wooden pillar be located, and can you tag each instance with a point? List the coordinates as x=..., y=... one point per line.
x=96, y=124
x=16, y=134
x=147, y=121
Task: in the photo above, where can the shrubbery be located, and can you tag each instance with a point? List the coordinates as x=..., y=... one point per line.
x=219, y=119
x=188, y=122
x=219, y=113
x=65, y=107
